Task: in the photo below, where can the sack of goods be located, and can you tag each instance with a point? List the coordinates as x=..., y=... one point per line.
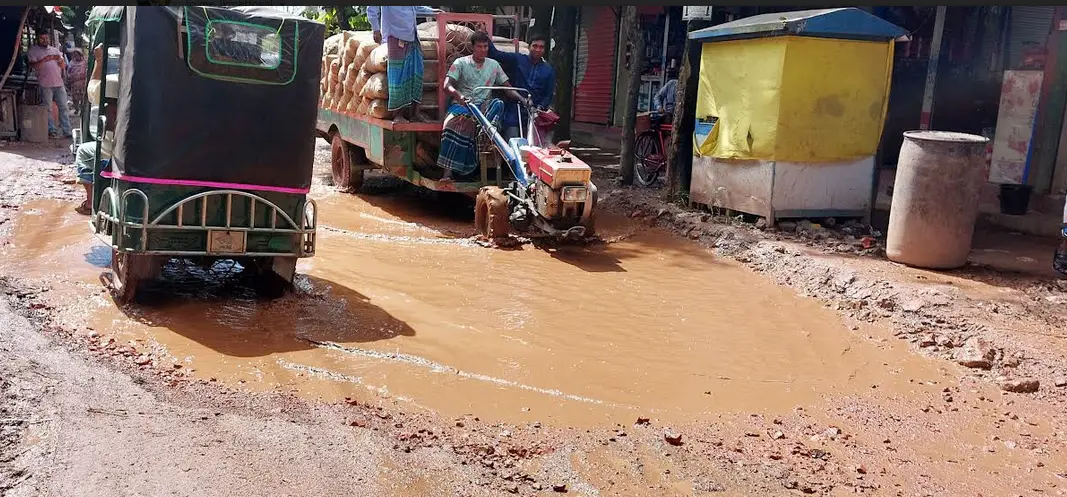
x=377, y=87
x=355, y=68
x=378, y=61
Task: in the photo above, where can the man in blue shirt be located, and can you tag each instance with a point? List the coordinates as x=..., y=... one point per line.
x=664, y=100
x=396, y=26
x=529, y=72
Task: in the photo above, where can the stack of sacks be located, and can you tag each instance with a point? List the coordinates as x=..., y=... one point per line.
x=330, y=48
x=341, y=65
x=355, y=68
x=375, y=89
x=356, y=46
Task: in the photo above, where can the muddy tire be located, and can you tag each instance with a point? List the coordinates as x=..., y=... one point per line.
x=274, y=275
x=491, y=213
x=127, y=273
x=342, y=157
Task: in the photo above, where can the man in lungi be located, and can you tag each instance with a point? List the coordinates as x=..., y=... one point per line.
x=459, y=155
x=396, y=25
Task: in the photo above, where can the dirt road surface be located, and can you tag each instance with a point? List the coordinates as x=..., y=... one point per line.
x=688, y=355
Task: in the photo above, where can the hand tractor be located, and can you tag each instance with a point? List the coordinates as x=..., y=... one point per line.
x=551, y=193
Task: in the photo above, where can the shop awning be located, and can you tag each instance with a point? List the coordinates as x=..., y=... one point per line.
x=848, y=23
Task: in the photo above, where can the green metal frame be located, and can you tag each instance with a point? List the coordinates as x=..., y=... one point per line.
x=175, y=220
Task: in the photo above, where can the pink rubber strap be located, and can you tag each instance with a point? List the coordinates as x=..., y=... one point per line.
x=209, y=184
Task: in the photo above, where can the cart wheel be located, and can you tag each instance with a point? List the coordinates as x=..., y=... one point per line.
x=357, y=156
x=275, y=275
x=344, y=178
x=491, y=213
x=127, y=273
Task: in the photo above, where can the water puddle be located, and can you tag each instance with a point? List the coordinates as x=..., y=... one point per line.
x=399, y=303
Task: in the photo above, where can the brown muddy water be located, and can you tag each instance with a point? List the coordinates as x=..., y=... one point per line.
x=399, y=303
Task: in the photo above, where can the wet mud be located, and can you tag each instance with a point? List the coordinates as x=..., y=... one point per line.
x=395, y=306
x=524, y=370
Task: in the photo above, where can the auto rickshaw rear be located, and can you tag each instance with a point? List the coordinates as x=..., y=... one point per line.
x=212, y=155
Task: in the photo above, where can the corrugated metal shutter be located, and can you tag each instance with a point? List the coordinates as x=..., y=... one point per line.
x=1028, y=24
x=594, y=65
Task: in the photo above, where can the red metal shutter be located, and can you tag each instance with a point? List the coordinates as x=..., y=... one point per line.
x=594, y=67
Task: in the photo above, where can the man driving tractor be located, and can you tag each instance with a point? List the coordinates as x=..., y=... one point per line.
x=458, y=154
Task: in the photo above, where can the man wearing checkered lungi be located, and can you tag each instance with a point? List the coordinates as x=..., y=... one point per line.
x=396, y=26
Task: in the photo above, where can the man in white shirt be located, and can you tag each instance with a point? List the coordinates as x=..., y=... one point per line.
x=85, y=157
x=396, y=25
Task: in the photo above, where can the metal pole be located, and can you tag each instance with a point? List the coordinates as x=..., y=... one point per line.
x=931, y=69
x=636, y=40
x=663, y=52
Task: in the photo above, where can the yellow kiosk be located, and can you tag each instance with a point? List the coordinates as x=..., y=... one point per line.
x=790, y=110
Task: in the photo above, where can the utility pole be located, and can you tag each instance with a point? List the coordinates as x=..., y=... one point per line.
x=561, y=57
x=635, y=40
x=680, y=147
x=931, y=68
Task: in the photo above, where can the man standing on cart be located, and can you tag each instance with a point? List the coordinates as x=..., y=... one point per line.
x=396, y=25
x=530, y=72
x=459, y=155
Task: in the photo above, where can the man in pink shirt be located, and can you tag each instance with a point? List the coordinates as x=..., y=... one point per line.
x=49, y=64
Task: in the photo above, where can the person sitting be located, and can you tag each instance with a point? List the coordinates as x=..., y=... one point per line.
x=458, y=154
x=85, y=156
x=666, y=95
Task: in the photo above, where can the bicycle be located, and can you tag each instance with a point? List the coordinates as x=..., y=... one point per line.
x=650, y=149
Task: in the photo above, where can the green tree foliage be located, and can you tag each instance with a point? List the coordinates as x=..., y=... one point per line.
x=75, y=16
x=338, y=18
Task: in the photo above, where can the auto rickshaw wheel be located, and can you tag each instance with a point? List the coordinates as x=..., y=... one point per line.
x=275, y=275
x=491, y=213
x=128, y=271
x=345, y=178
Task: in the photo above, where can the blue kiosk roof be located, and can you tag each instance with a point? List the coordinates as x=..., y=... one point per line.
x=847, y=23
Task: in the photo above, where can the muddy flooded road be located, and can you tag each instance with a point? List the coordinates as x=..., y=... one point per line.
x=401, y=303
x=645, y=366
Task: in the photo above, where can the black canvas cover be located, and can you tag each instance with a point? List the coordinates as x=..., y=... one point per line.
x=231, y=99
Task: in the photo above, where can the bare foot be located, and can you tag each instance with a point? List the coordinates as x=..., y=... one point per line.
x=399, y=119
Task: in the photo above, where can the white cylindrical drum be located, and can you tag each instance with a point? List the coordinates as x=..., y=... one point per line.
x=935, y=198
